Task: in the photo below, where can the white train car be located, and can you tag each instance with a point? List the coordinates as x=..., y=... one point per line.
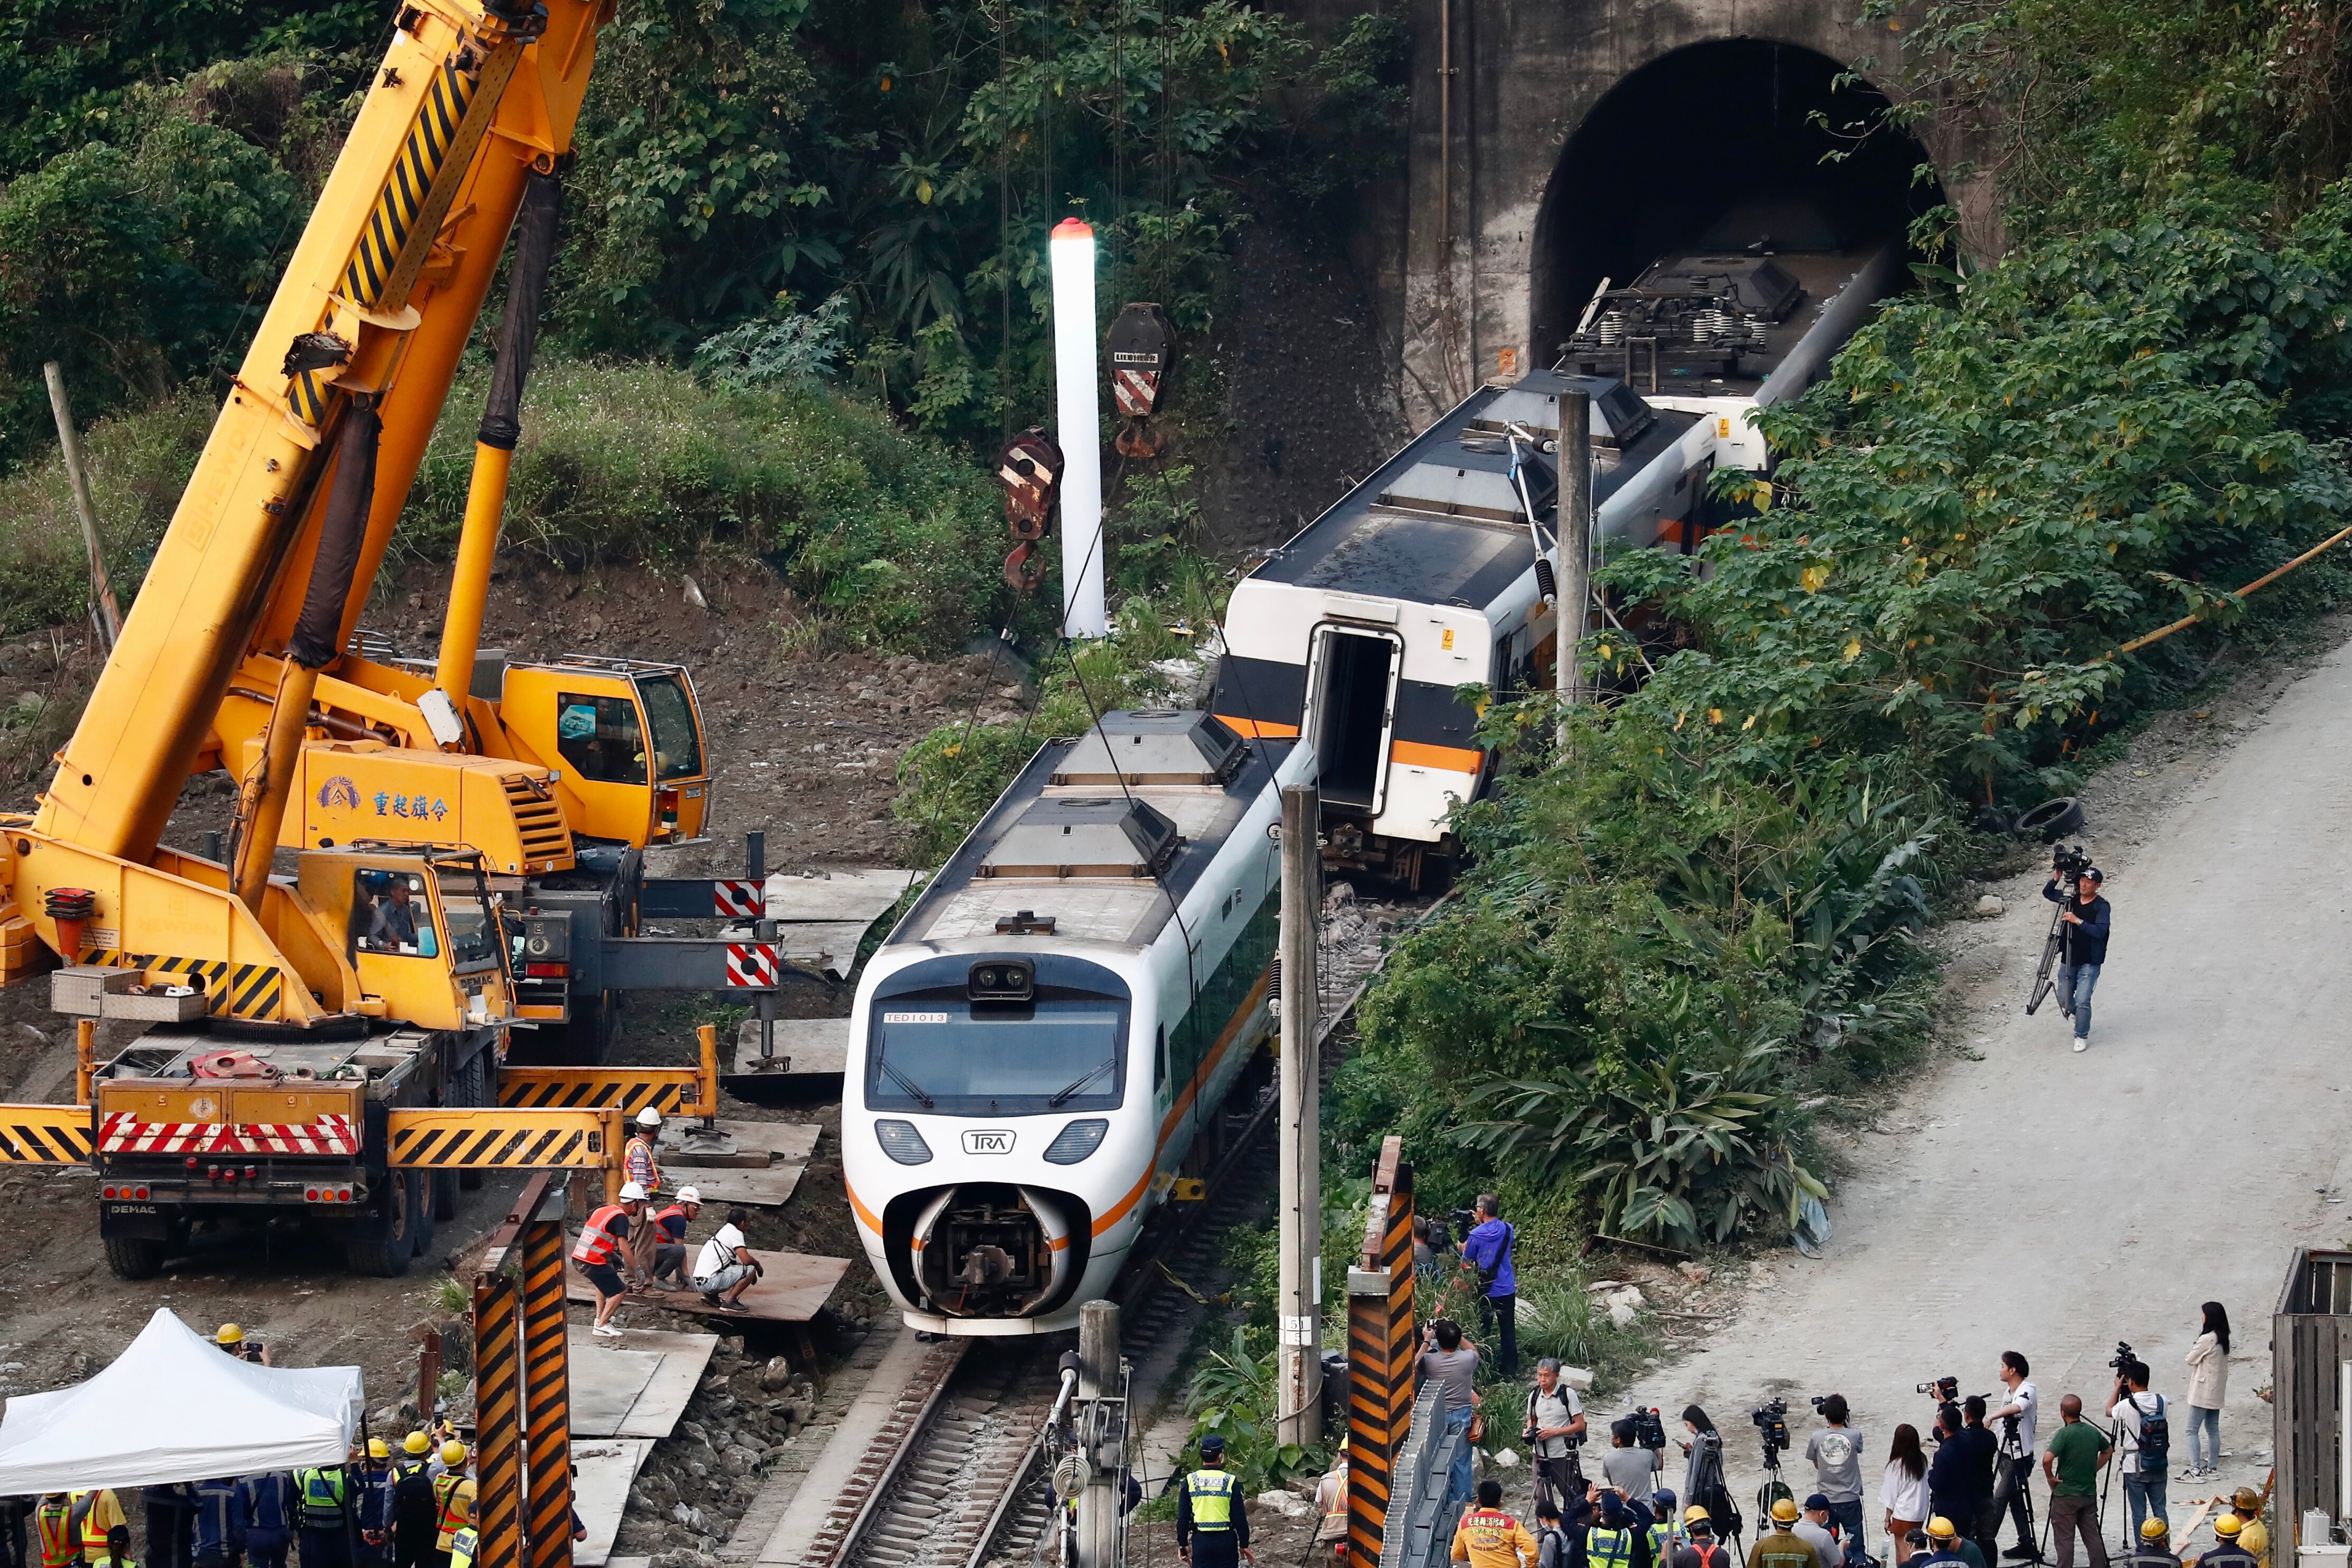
x=1359, y=634
x=1034, y=1050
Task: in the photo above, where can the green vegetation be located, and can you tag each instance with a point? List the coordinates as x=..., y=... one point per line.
x=1690, y=934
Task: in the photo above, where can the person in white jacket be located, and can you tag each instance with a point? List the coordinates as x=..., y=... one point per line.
x=2208, y=1381
x=1903, y=1490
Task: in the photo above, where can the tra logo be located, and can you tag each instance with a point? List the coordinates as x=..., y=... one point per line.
x=991, y=1141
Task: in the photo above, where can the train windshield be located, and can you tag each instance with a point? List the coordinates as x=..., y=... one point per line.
x=939, y=1052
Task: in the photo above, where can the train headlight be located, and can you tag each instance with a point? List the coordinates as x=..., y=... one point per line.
x=1076, y=1140
x=903, y=1143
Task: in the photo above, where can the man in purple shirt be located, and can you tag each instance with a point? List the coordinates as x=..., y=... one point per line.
x=1486, y=1251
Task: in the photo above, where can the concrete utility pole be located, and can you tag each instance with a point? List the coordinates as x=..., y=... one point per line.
x=101, y=591
x=1573, y=526
x=1100, y=1417
x=1301, y=1203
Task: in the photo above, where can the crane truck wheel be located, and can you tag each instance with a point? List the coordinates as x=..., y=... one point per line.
x=134, y=1256
x=383, y=1244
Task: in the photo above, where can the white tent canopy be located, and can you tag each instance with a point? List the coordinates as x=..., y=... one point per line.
x=173, y=1407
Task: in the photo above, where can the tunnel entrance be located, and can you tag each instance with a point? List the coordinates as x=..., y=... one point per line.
x=1717, y=145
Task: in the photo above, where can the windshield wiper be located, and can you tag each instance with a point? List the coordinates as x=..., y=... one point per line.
x=1082, y=1083
x=903, y=1082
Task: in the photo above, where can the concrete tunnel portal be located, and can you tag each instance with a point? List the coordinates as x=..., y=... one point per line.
x=1718, y=144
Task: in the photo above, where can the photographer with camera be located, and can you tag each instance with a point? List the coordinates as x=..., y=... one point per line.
x=1553, y=1432
x=1452, y=1360
x=2146, y=1431
x=2083, y=914
x=1952, y=1493
x=1486, y=1250
x=1835, y=1453
x=2013, y=1471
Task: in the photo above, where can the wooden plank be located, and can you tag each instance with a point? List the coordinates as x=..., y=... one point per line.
x=797, y=1286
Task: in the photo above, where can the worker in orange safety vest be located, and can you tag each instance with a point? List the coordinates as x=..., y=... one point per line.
x=604, y=1237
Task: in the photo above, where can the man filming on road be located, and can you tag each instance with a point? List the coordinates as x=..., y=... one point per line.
x=2014, y=1423
x=2085, y=918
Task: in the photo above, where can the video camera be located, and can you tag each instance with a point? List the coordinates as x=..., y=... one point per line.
x=1946, y=1390
x=1772, y=1425
x=2069, y=861
x=2123, y=1357
x=1649, y=1429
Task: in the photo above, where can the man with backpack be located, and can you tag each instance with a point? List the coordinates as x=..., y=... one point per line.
x=1553, y=1429
x=2146, y=1426
x=1486, y=1256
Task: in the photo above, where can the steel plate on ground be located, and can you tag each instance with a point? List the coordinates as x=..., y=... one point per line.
x=607, y=1468
x=637, y=1385
x=797, y=1285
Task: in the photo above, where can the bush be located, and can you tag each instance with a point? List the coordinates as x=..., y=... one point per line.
x=894, y=538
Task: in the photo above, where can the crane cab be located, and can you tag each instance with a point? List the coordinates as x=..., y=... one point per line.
x=624, y=737
x=421, y=927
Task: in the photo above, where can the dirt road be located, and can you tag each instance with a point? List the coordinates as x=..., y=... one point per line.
x=2026, y=1197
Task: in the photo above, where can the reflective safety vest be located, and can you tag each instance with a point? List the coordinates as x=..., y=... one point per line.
x=54, y=1522
x=96, y=1520
x=1661, y=1541
x=597, y=1243
x=1609, y=1548
x=1211, y=1492
x=462, y=1547
x=322, y=1498
x=456, y=1492
x=675, y=1212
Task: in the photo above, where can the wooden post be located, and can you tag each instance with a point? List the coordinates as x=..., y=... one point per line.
x=101, y=591
x=1299, y=1209
x=428, y=1375
x=85, y=1058
x=1573, y=524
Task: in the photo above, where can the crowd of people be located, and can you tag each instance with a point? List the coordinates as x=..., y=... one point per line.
x=1945, y=1503
x=407, y=1507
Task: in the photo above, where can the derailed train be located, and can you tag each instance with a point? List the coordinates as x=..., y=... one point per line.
x=1037, y=1048
x=1360, y=632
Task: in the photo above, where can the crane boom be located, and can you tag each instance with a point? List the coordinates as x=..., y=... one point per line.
x=375, y=306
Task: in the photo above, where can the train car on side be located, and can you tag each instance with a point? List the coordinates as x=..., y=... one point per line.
x=1036, y=1048
x=1361, y=633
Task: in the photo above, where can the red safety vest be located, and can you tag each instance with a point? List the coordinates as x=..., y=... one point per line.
x=597, y=1243
x=674, y=1209
x=53, y=1519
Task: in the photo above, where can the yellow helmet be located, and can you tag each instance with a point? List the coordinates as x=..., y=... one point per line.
x=230, y=1335
x=2254, y=1538
x=2229, y=1524
x=2153, y=1530
x=1941, y=1528
x=1784, y=1510
x=379, y=1450
x=2247, y=1501
x=453, y=1453
x=416, y=1443
x=1696, y=1515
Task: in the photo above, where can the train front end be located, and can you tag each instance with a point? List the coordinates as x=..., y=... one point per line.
x=994, y=1147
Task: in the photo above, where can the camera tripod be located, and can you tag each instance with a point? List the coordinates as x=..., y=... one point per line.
x=2052, y=947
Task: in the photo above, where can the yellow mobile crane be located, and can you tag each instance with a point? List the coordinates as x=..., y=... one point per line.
x=328, y=1043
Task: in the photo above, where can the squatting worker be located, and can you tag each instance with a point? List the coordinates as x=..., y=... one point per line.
x=2082, y=947
x=1489, y=1538
x=2078, y=1452
x=725, y=1267
x=669, y=1239
x=1453, y=1361
x=1486, y=1256
x=1555, y=1425
x=1212, y=1526
x=604, y=1239
x=1781, y=1546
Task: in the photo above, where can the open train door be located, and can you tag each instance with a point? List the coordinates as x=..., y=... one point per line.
x=1351, y=687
